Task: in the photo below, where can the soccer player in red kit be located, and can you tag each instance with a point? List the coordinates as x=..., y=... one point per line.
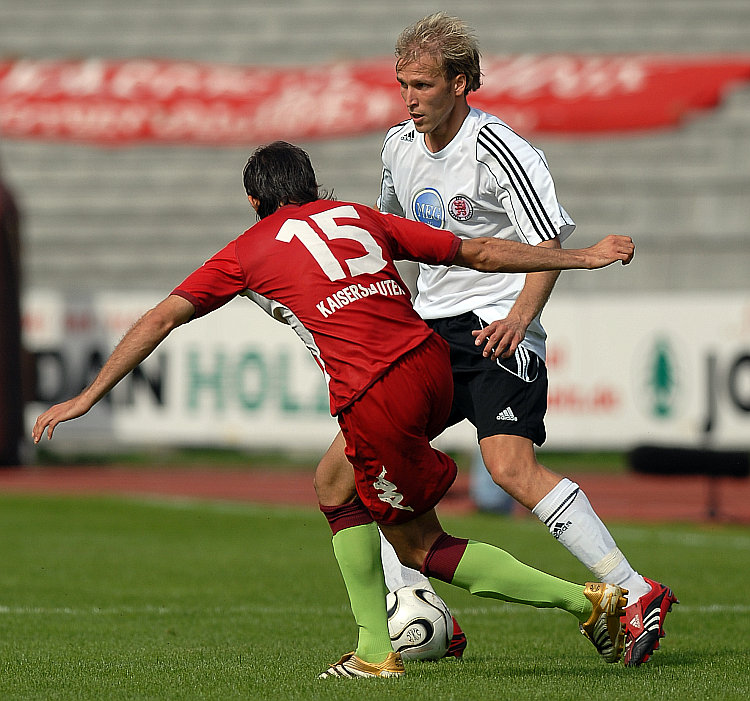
x=331, y=266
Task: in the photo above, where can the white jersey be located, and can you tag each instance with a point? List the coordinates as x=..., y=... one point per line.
x=488, y=181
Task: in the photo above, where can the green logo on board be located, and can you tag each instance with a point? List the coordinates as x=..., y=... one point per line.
x=662, y=379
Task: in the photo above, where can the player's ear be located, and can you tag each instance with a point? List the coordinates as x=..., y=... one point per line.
x=254, y=201
x=459, y=85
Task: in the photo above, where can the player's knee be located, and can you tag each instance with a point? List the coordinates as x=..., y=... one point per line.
x=503, y=472
x=510, y=469
x=334, y=480
x=331, y=492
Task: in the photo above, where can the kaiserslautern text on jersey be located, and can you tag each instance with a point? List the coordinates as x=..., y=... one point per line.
x=332, y=265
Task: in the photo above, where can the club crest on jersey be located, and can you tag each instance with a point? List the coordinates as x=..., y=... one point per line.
x=460, y=208
x=427, y=207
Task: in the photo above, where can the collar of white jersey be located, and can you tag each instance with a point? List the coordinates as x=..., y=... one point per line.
x=453, y=144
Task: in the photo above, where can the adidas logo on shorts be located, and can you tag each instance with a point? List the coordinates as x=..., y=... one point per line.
x=507, y=415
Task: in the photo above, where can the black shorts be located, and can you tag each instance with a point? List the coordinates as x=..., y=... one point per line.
x=507, y=396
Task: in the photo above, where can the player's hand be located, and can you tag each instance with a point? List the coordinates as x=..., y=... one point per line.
x=500, y=338
x=71, y=409
x=609, y=250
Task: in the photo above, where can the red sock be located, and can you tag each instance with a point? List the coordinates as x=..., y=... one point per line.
x=445, y=554
x=346, y=515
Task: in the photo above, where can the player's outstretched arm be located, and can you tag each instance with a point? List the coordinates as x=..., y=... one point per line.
x=501, y=256
x=137, y=344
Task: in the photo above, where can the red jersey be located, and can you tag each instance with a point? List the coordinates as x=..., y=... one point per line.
x=332, y=265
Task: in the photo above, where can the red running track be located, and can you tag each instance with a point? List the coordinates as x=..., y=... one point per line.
x=615, y=497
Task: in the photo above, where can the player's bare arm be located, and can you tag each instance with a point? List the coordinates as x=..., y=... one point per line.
x=501, y=338
x=137, y=344
x=499, y=255
x=505, y=335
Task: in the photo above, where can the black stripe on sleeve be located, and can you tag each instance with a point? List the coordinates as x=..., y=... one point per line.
x=519, y=178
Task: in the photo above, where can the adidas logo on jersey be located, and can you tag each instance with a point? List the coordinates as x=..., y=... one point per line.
x=409, y=136
x=507, y=415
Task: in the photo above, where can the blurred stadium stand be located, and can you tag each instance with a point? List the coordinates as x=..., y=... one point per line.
x=142, y=218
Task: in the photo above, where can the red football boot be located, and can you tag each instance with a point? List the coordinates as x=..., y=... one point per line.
x=644, y=623
x=458, y=642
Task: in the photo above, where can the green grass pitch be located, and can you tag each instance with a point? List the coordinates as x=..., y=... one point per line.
x=177, y=599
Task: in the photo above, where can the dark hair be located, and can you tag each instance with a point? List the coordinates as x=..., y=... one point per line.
x=277, y=174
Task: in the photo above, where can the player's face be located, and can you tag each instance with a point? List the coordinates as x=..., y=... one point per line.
x=436, y=105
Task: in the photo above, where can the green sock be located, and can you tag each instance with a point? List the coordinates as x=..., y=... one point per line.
x=357, y=551
x=488, y=571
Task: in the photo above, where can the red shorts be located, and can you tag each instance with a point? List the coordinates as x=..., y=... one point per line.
x=399, y=475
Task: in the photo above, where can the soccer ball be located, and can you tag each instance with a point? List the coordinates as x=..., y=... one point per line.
x=420, y=625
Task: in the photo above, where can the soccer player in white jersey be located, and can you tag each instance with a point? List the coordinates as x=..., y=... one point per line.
x=456, y=167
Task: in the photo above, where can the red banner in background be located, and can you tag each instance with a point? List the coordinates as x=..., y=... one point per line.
x=593, y=94
x=154, y=101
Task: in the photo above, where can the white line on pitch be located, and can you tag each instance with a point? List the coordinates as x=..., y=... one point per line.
x=277, y=610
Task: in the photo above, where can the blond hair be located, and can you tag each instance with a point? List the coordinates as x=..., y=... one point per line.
x=447, y=39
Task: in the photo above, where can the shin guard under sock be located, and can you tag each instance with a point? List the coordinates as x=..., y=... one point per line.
x=568, y=514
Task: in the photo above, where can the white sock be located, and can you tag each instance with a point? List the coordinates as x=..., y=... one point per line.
x=396, y=574
x=566, y=511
